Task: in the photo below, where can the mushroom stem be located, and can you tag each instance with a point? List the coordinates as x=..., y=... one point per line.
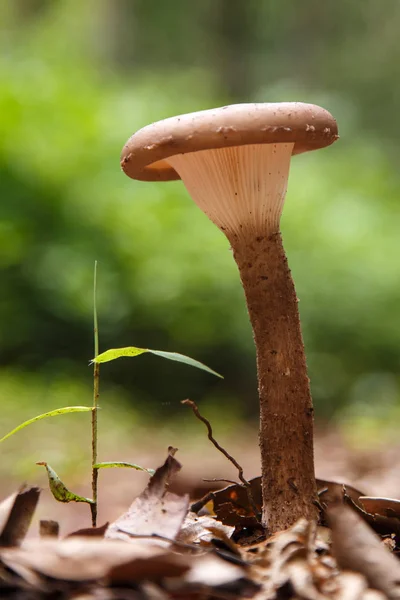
x=286, y=413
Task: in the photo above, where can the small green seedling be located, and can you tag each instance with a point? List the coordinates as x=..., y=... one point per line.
x=59, y=490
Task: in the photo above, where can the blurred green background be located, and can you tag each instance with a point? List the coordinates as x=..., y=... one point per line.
x=77, y=79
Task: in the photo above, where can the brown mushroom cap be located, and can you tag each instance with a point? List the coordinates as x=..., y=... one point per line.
x=145, y=154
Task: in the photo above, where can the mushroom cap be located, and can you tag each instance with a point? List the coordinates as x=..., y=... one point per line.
x=145, y=155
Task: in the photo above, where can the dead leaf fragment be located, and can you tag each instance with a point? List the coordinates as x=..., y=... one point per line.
x=386, y=507
x=358, y=548
x=90, y=531
x=331, y=492
x=202, y=529
x=217, y=578
x=16, y=513
x=351, y=586
x=89, y=559
x=156, y=511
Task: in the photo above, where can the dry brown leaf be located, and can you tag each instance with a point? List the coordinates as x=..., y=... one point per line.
x=373, y=595
x=199, y=529
x=16, y=513
x=90, y=531
x=153, y=568
x=300, y=578
x=358, y=548
x=90, y=559
x=384, y=525
x=215, y=578
x=351, y=586
x=331, y=492
x=386, y=507
x=156, y=511
x=231, y=504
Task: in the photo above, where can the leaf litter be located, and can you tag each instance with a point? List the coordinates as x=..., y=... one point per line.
x=168, y=546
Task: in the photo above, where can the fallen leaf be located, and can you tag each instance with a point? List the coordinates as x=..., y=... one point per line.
x=16, y=513
x=202, y=529
x=87, y=559
x=358, y=548
x=386, y=507
x=231, y=504
x=331, y=492
x=89, y=532
x=213, y=577
x=156, y=511
x=351, y=586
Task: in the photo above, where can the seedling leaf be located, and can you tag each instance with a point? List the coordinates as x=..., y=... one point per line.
x=122, y=465
x=52, y=413
x=59, y=490
x=115, y=353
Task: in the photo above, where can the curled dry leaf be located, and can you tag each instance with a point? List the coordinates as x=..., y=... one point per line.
x=77, y=565
x=331, y=492
x=386, y=507
x=16, y=513
x=212, y=577
x=288, y=565
x=231, y=505
x=202, y=529
x=358, y=548
x=155, y=511
x=382, y=524
x=351, y=586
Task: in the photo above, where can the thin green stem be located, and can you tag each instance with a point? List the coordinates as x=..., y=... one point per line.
x=96, y=382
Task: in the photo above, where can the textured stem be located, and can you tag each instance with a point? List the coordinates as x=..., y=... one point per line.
x=286, y=413
x=96, y=384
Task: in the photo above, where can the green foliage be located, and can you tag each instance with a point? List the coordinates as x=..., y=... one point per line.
x=53, y=413
x=122, y=465
x=60, y=492
x=131, y=351
x=75, y=83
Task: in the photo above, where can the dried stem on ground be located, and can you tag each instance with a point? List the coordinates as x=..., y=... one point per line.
x=212, y=439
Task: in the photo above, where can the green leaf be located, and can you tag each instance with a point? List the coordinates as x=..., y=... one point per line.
x=60, y=492
x=122, y=465
x=52, y=413
x=115, y=353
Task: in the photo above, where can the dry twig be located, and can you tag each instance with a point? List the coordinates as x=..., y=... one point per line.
x=244, y=481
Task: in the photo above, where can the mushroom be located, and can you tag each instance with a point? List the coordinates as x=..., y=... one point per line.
x=234, y=162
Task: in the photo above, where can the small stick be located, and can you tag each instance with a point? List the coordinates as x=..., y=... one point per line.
x=244, y=481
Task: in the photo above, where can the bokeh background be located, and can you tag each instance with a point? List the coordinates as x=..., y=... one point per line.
x=77, y=79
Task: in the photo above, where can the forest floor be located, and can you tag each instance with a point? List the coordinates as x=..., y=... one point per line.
x=158, y=548
x=374, y=470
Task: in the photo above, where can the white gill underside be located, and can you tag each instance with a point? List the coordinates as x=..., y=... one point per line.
x=238, y=188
